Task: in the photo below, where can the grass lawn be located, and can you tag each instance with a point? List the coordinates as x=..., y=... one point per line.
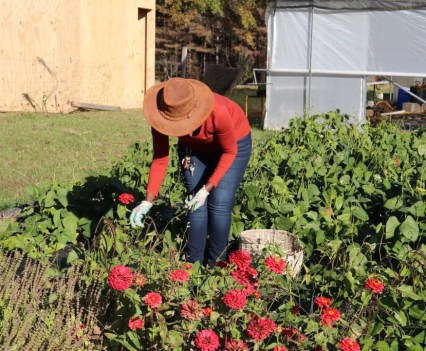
x=39, y=148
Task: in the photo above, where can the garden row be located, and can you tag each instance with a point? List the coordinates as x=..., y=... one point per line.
x=354, y=196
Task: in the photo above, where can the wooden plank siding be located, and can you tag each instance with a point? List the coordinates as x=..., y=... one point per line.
x=54, y=53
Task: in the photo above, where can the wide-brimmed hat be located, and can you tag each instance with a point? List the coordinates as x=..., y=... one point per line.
x=178, y=106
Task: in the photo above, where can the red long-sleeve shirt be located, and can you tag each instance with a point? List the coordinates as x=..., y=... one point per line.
x=226, y=125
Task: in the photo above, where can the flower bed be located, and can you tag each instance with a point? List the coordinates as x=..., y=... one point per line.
x=355, y=198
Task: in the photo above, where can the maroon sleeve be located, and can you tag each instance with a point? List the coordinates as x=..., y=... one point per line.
x=225, y=133
x=160, y=160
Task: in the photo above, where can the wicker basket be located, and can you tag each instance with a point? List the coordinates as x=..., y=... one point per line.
x=255, y=240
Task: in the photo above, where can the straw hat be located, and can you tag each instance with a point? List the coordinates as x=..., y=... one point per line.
x=178, y=106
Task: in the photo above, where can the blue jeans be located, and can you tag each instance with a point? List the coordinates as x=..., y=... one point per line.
x=210, y=224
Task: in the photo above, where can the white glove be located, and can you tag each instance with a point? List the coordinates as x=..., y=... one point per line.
x=138, y=213
x=198, y=200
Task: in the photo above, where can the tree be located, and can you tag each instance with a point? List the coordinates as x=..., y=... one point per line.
x=231, y=33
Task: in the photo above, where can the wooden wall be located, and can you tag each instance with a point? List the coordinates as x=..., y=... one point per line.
x=58, y=53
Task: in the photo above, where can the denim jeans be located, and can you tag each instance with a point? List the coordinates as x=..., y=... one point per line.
x=210, y=224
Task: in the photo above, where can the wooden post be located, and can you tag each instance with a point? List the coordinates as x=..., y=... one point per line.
x=247, y=106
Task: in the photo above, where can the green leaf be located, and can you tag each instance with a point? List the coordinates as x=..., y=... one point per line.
x=313, y=190
x=70, y=222
x=72, y=256
x=394, y=203
x=410, y=229
x=407, y=291
x=320, y=237
x=344, y=180
x=401, y=318
x=391, y=224
x=339, y=202
x=369, y=188
x=359, y=213
x=349, y=281
x=382, y=346
x=49, y=200
x=251, y=190
x=63, y=196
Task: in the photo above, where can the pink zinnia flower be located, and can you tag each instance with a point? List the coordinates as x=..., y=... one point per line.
x=375, y=285
x=135, y=323
x=153, y=299
x=279, y=348
x=235, y=299
x=179, y=275
x=139, y=279
x=322, y=301
x=275, y=264
x=120, y=278
x=235, y=345
x=240, y=258
x=126, y=198
x=261, y=328
x=348, y=344
x=207, y=340
x=191, y=310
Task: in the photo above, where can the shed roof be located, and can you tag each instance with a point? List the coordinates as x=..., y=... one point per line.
x=385, y=5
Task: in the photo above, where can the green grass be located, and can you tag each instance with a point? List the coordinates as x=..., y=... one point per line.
x=39, y=149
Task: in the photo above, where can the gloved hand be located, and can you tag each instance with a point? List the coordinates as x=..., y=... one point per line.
x=138, y=213
x=198, y=200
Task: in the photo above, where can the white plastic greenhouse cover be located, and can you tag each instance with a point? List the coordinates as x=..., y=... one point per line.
x=320, y=53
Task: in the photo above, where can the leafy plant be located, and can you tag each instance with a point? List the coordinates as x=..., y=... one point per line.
x=354, y=195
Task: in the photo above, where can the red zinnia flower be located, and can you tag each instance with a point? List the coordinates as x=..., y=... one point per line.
x=135, y=323
x=222, y=264
x=257, y=294
x=329, y=315
x=375, y=285
x=261, y=328
x=275, y=264
x=235, y=299
x=153, y=299
x=207, y=311
x=296, y=310
x=187, y=266
x=248, y=290
x=191, y=310
x=235, y=345
x=120, y=278
x=348, y=344
x=126, y=198
x=207, y=340
x=289, y=333
x=322, y=301
x=179, y=275
x=244, y=276
x=240, y=258
x=279, y=348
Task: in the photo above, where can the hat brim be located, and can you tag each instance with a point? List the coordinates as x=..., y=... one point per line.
x=201, y=111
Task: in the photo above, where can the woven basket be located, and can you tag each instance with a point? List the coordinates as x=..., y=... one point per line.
x=255, y=240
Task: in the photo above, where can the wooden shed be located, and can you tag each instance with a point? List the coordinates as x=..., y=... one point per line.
x=57, y=54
